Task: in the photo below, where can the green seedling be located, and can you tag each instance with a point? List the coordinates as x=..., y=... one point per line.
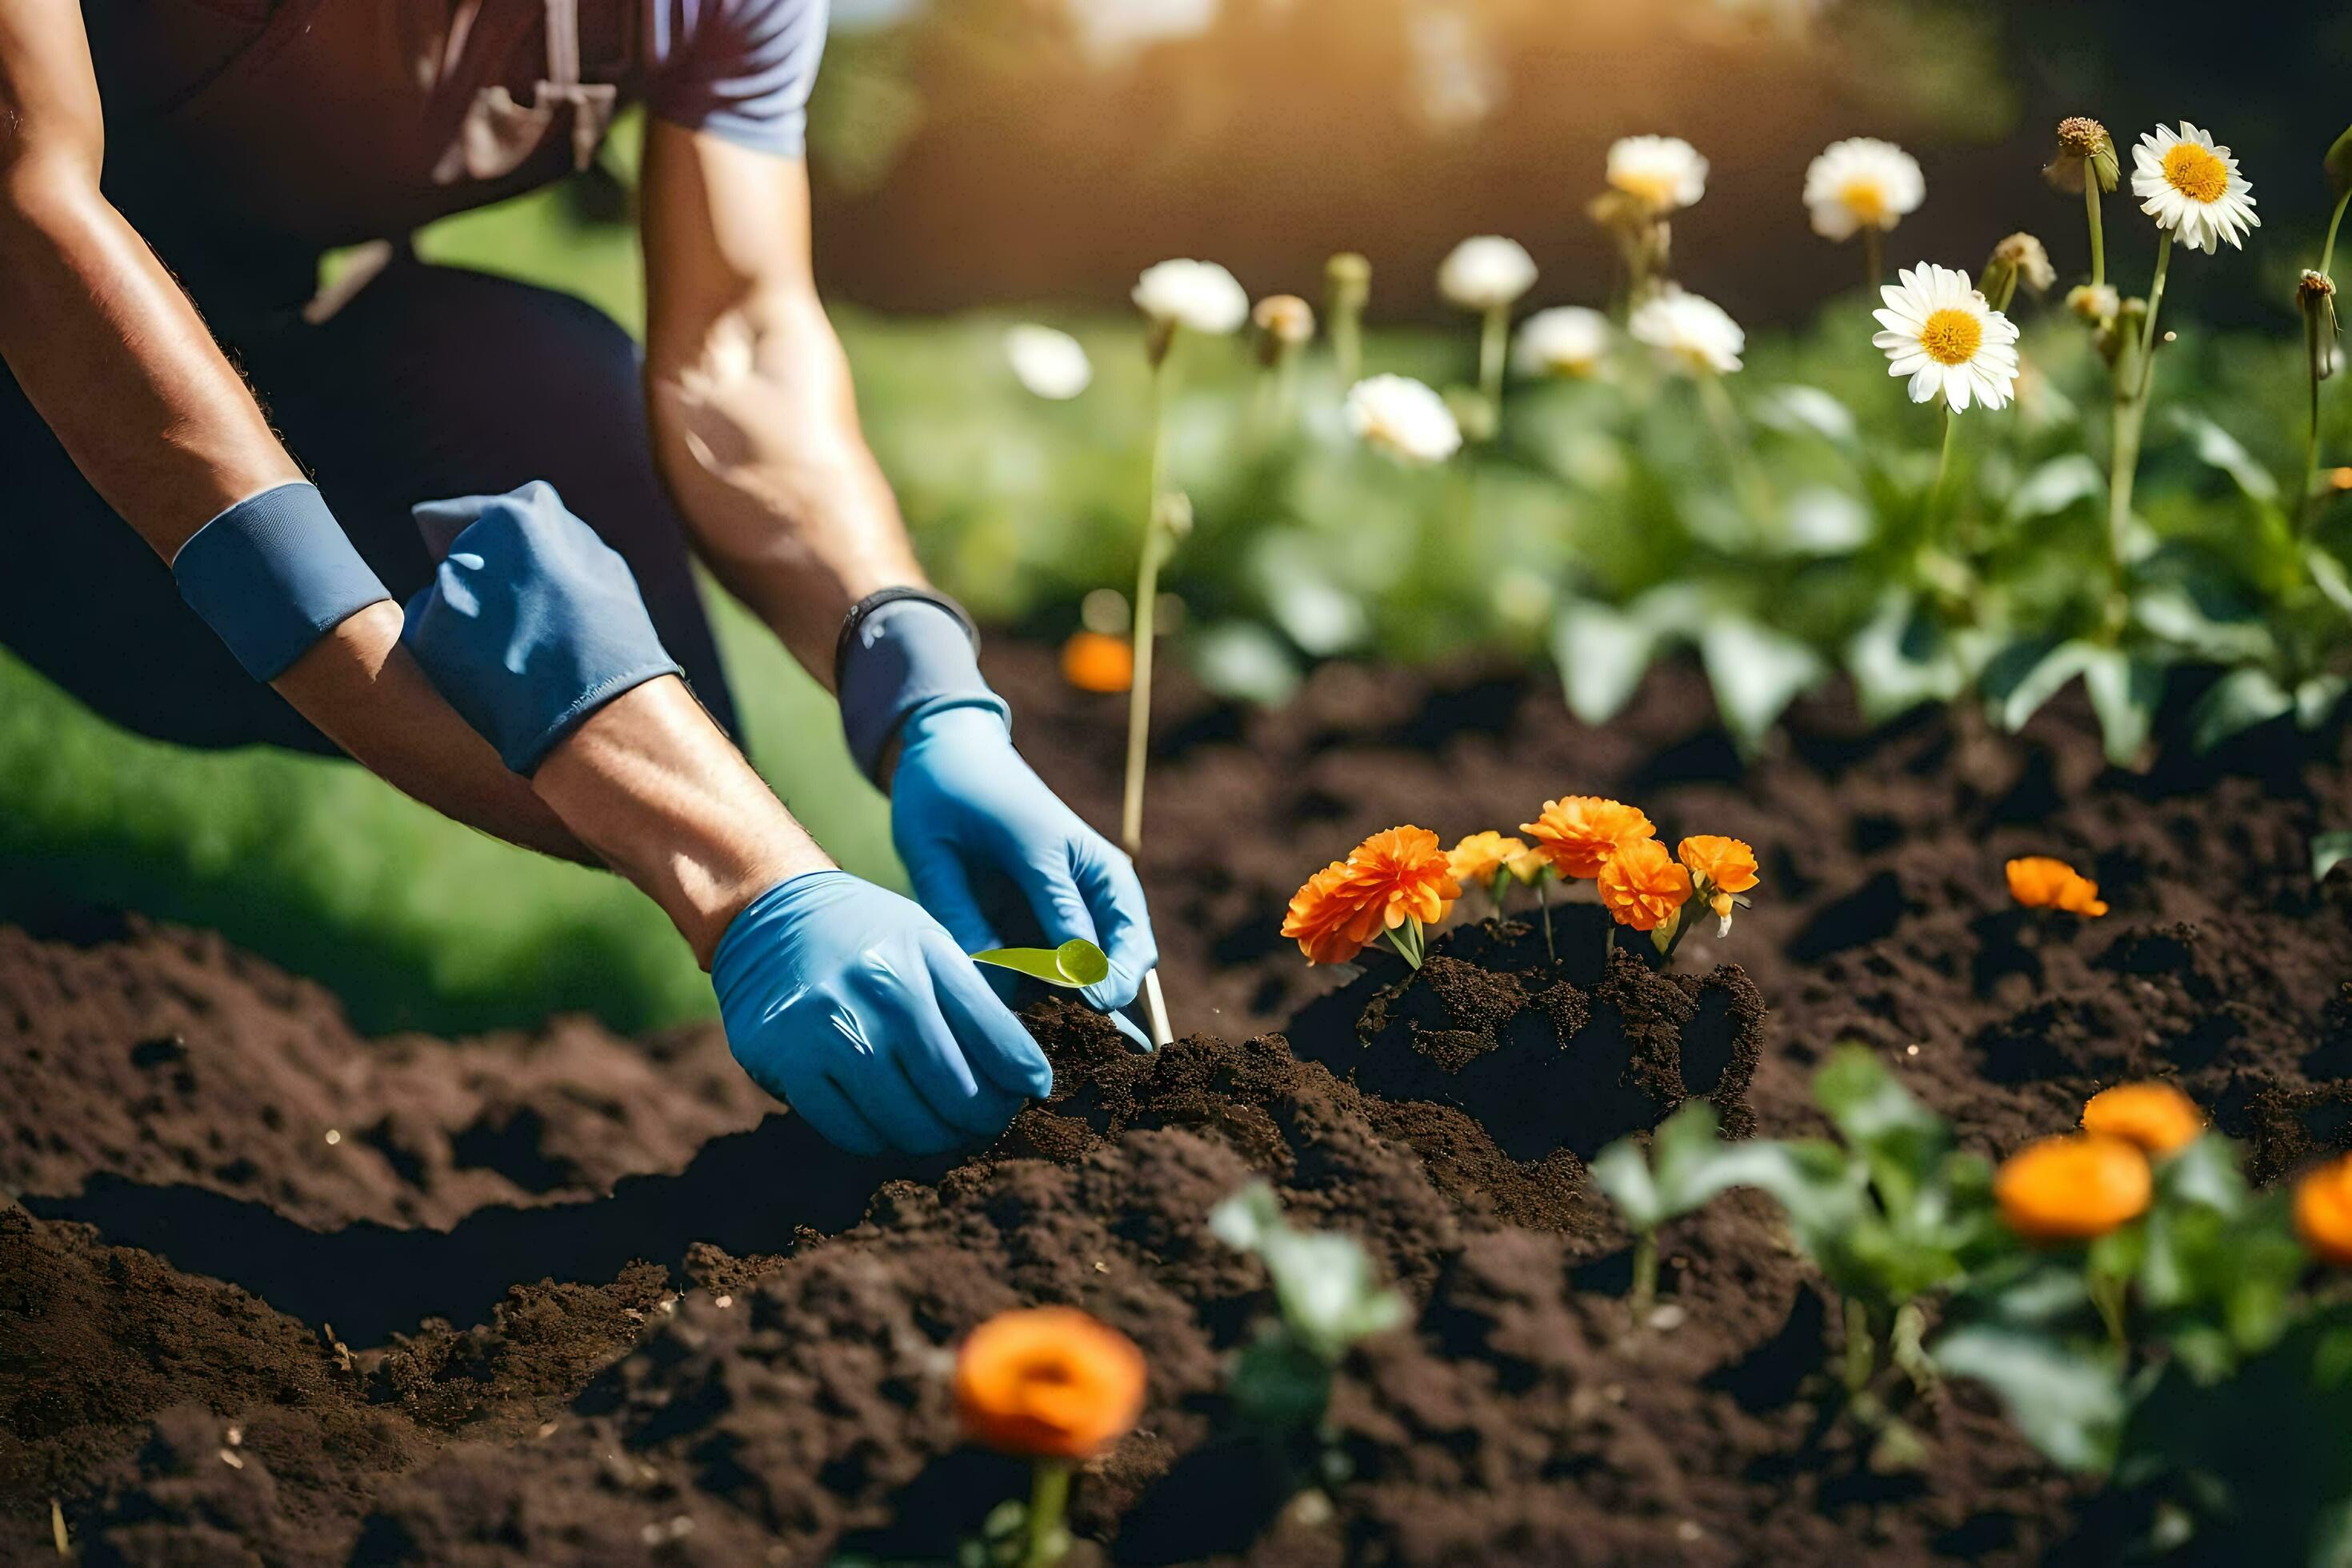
x=1073, y=965
x=1687, y=1164
x=1329, y=1297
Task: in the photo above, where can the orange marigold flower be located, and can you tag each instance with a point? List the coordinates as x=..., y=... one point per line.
x=2322, y=1212
x=2039, y=882
x=1330, y=922
x=1477, y=858
x=2155, y=1116
x=1405, y=875
x=1579, y=833
x=1727, y=865
x=1048, y=1383
x=1641, y=887
x=2073, y=1187
x=1096, y=662
x=1390, y=877
x=1528, y=865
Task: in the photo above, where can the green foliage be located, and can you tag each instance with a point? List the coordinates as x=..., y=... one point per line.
x=1329, y=1297
x=1075, y=964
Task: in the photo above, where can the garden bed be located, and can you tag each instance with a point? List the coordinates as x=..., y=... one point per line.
x=176, y=1099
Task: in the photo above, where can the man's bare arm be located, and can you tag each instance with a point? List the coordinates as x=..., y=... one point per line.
x=116, y=360
x=755, y=422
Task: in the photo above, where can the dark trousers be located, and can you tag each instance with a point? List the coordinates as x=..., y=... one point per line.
x=431, y=381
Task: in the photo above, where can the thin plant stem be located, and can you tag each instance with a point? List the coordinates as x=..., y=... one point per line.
x=2147, y=338
x=1755, y=495
x=2131, y=418
x=1138, y=701
x=1645, y=1276
x=2107, y=1296
x=1409, y=940
x=1494, y=350
x=2098, y=240
x=1049, y=1499
x=2327, y=251
x=1543, y=902
x=1348, y=343
x=1873, y=256
x=2314, y=353
x=1943, y=471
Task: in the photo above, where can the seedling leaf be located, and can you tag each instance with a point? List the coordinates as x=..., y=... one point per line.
x=1602, y=654
x=1076, y=963
x=2070, y=1406
x=1755, y=672
x=2329, y=850
x=2238, y=701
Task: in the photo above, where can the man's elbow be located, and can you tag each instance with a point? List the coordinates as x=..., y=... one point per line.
x=46, y=193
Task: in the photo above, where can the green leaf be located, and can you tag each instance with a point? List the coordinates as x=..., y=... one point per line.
x=2328, y=575
x=1757, y=672
x=2218, y=448
x=1243, y=660
x=1901, y=658
x=2045, y=679
x=1076, y=963
x=2068, y=1404
x=2056, y=485
x=2238, y=701
x=1689, y=1165
x=1602, y=655
x=2124, y=694
x=1796, y=409
x=1879, y=1118
x=2338, y=165
x=2316, y=698
x=2329, y=850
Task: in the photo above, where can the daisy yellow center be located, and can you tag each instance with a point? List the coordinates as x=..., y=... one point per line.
x=2196, y=172
x=1951, y=336
x=1653, y=186
x=1866, y=199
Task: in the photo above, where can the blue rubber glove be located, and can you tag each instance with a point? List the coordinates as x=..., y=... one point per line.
x=859, y=1011
x=964, y=808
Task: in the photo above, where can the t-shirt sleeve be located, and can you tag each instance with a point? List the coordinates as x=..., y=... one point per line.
x=738, y=68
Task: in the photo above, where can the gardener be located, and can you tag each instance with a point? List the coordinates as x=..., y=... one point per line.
x=540, y=686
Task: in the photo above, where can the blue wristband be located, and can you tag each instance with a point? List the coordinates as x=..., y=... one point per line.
x=273, y=574
x=902, y=650
x=532, y=622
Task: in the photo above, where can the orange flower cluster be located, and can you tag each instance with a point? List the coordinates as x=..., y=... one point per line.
x=1722, y=868
x=1642, y=886
x=1484, y=856
x=1396, y=882
x=2074, y=1187
x=2039, y=882
x=1048, y=1383
x=1581, y=833
x=2157, y=1117
x=2322, y=1212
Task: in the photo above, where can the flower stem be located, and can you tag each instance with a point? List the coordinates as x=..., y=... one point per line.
x=1410, y=941
x=1943, y=468
x=1755, y=494
x=2107, y=1295
x=2131, y=418
x=1645, y=1276
x=2315, y=357
x=1138, y=701
x=1543, y=902
x=1049, y=1499
x=1494, y=348
x=1873, y=256
x=2327, y=251
x=2098, y=241
x=2147, y=338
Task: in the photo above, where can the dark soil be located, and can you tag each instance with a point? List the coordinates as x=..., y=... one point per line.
x=566, y=1297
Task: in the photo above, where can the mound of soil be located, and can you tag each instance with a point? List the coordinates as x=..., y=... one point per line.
x=568, y=1297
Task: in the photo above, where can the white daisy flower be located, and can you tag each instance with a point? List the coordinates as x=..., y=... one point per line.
x=1404, y=418
x=1862, y=183
x=1693, y=334
x=1201, y=295
x=1489, y=273
x=1566, y=341
x=1663, y=172
x=2192, y=188
x=1942, y=334
x=1051, y=365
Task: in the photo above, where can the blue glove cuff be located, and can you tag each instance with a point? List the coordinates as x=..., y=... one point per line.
x=902, y=650
x=272, y=576
x=532, y=622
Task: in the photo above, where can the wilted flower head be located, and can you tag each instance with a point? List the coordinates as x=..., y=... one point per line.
x=1566, y=341
x=1942, y=334
x=1051, y=365
x=1049, y=1383
x=1404, y=417
x=2094, y=302
x=1285, y=321
x=1693, y=334
x=1642, y=886
x=1579, y=833
x=1662, y=173
x=1862, y=183
x=2073, y=1188
x=2039, y=882
x=2018, y=262
x=1489, y=273
x=2155, y=1116
x=2315, y=296
x=1201, y=295
x=2084, y=150
x=2192, y=187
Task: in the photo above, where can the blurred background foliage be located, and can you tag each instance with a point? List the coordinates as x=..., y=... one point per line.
x=981, y=163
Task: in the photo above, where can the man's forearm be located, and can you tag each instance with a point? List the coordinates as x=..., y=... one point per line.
x=117, y=361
